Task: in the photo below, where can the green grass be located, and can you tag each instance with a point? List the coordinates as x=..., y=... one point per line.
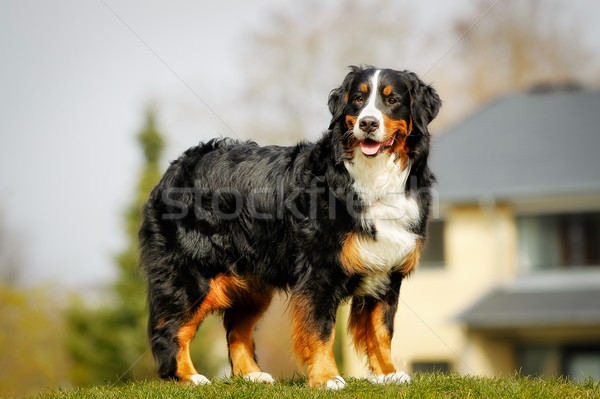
x=422, y=386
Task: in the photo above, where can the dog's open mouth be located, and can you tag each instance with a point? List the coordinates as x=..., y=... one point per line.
x=371, y=147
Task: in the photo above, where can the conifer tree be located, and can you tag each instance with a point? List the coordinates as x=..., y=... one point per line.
x=108, y=343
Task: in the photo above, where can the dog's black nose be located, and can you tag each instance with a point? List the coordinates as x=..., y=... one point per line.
x=368, y=124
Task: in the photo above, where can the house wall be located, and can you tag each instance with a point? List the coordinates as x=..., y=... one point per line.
x=480, y=246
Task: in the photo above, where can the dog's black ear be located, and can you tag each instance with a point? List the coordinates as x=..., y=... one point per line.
x=338, y=97
x=425, y=103
x=424, y=107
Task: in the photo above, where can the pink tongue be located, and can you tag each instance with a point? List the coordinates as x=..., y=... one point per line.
x=370, y=147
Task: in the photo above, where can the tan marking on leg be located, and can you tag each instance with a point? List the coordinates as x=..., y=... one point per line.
x=371, y=336
x=243, y=320
x=219, y=297
x=309, y=347
x=185, y=367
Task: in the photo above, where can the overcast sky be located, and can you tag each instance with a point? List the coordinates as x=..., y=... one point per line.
x=75, y=77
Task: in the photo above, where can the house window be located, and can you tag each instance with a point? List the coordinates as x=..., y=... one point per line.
x=433, y=254
x=550, y=242
x=576, y=362
x=581, y=364
x=539, y=360
x=431, y=367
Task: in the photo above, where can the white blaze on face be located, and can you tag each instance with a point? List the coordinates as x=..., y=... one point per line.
x=370, y=110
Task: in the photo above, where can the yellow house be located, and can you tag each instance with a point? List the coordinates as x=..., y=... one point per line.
x=511, y=277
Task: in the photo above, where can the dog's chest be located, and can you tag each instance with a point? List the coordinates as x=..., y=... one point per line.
x=381, y=184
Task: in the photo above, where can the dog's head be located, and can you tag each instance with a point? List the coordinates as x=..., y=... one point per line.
x=383, y=111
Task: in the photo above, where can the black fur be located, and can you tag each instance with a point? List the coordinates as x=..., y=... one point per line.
x=278, y=214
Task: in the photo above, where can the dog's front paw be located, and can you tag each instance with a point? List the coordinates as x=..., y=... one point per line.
x=199, y=379
x=336, y=383
x=399, y=377
x=259, y=376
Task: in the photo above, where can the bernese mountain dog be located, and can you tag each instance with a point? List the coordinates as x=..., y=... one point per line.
x=343, y=218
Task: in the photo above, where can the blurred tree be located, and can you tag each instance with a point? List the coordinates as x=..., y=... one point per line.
x=11, y=260
x=295, y=59
x=32, y=352
x=109, y=342
x=517, y=45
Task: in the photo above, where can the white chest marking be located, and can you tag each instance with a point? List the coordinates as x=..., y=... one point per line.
x=381, y=182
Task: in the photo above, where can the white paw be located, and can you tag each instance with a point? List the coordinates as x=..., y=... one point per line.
x=336, y=383
x=399, y=377
x=199, y=379
x=259, y=376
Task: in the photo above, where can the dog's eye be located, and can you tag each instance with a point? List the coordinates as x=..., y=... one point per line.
x=358, y=100
x=392, y=100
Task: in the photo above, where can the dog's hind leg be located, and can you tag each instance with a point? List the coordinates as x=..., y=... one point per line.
x=171, y=336
x=186, y=372
x=240, y=321
x=162, y=331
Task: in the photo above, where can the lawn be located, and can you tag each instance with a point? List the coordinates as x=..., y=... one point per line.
x=422, y=386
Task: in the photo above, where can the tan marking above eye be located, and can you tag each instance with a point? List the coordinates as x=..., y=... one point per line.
x=387, y=90
x=363, y=88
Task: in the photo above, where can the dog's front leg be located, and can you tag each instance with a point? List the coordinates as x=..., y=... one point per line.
x=313, y=322
x=372, y=325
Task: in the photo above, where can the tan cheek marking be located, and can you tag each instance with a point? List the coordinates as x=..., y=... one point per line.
x=387, y=90
x=353, y=142
x=350, y=121
x=395, y=125
x=400, y=128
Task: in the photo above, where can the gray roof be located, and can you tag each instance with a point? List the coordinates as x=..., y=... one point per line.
x=522, y=146
x=512, y=310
